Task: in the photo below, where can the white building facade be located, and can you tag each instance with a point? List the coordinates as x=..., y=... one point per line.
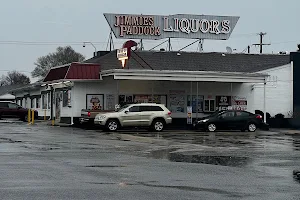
x=174, y=88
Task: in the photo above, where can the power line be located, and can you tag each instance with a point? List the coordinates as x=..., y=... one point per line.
x=261, y=44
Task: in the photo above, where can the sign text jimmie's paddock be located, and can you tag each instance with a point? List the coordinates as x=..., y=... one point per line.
x=175, y=26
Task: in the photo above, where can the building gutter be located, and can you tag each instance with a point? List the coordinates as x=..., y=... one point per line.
x=195, y=76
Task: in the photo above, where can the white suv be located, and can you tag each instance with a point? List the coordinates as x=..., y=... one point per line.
x=151, y=115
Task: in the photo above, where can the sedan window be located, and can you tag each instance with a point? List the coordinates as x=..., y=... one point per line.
x=228, y=114
x=242, y=114
x=3, y=105
x=12, y=105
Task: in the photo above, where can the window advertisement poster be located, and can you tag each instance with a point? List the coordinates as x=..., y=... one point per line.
x=195, y=101
x=141, y=99
x=189, y=115
x=177, y=101
x=161, y=99
x=239, y=103
x=110, y=102
x=223, y=102
x=94, y=101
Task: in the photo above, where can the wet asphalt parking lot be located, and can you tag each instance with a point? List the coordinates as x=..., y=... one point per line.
x=44, y=162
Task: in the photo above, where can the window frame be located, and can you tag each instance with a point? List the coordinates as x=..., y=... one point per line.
x=209, y=105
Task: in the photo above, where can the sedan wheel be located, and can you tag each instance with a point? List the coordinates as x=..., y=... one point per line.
x=112, y=125
x=211, y=127
x=26, y=118
x=252, y=127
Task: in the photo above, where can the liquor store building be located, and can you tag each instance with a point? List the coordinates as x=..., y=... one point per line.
x=185, y=82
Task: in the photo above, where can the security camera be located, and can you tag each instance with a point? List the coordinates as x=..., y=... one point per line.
x=83, y=45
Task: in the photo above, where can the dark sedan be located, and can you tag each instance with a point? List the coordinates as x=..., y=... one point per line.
x=10, y=109
x=230, y=120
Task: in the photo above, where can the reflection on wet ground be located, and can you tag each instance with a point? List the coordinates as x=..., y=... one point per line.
x=172, y=155
x=271, y=152
x=296, y=175
x=231, y=161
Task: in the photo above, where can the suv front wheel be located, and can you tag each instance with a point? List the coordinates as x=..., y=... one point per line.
x=112, y=125
x=158, y=125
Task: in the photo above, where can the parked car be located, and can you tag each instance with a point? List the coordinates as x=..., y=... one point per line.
x=88, y=116
x=150, y=115
x=230, y=120
x=9, y=109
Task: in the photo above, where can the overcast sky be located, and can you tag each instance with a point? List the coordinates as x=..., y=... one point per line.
x=63, y=22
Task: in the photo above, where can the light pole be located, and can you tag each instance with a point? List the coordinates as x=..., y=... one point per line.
x=95, y=53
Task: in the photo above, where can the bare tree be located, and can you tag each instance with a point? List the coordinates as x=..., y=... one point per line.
x=63, y=55
x=14, y=78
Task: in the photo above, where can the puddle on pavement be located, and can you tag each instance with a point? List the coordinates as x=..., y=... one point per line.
x=231, y=161
x=296, y=145
x=161, y=153
x=169, y=154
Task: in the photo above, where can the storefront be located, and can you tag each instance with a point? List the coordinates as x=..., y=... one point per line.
x=190, y=84
x=182, y=91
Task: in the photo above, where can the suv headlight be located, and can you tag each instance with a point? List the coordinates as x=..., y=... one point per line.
x=100, y=117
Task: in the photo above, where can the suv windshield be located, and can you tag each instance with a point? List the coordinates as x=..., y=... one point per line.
x=123, y=108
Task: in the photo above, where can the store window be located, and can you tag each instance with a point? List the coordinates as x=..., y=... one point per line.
x=44, y=101
x=209, y=105
x=38, y=102
x=65, y=98
x=223, y=102
x=194, y=103
x=49, y=100
x=32, y=103
x=26, y=103
x=177, y=101
x=125, y=99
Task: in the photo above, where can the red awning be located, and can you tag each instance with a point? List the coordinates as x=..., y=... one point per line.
x=74, y=71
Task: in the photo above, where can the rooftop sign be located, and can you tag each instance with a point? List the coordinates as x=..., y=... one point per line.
x=154, y=27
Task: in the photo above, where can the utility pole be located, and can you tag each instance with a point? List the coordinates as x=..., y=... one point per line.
x=110, y=42
x=200, y=45
x=169, y=44
x=261, y=44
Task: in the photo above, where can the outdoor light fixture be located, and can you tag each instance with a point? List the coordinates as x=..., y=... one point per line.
x=84, y=43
